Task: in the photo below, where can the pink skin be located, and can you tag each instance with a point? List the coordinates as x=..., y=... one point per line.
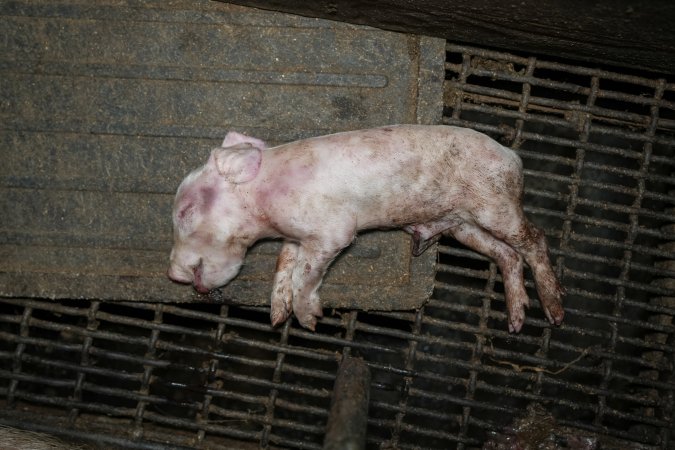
x=316, y=194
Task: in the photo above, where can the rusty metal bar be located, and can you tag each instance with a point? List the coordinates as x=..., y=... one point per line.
x=628, y=254
x=346, y=427
x=274, y=393
x=144, y=388
x=209, y=380
x=409, y=363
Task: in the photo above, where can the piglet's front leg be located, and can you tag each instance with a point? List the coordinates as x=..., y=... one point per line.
x=282, y=290
x=312, y=262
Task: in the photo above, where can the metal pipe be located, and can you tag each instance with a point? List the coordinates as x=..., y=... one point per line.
x=346, y=428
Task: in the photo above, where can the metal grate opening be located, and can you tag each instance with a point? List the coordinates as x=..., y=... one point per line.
x=597, y=149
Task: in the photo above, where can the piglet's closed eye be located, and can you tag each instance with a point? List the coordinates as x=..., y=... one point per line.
x=239, y=163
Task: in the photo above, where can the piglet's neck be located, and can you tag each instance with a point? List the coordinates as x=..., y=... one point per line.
x=256, y=213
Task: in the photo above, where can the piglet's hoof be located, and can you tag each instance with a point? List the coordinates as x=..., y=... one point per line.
x=307, y=313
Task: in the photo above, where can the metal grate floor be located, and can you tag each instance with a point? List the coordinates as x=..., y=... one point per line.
x=598, y=151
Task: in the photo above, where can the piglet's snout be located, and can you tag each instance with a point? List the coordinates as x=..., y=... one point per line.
x=197, y=279
x=182, y=273
x=178, y=275
x=191, y=275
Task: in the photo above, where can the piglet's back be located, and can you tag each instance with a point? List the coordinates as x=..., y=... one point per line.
x=383, y=177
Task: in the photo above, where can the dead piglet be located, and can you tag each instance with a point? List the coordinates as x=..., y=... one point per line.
x=316, y=194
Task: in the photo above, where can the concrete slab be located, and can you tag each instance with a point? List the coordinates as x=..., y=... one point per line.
x=106, y=106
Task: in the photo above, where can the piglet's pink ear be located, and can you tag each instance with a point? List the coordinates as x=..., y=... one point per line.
x=234, y=138
x=239, y=163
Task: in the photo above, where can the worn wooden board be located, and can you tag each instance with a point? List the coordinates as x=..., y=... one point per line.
x=106, y=106
x=622, y=33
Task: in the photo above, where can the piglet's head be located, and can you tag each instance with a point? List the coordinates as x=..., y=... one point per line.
x=212, y=228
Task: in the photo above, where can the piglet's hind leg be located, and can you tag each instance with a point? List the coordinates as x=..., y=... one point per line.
x=510, y=264
x=530, y=242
